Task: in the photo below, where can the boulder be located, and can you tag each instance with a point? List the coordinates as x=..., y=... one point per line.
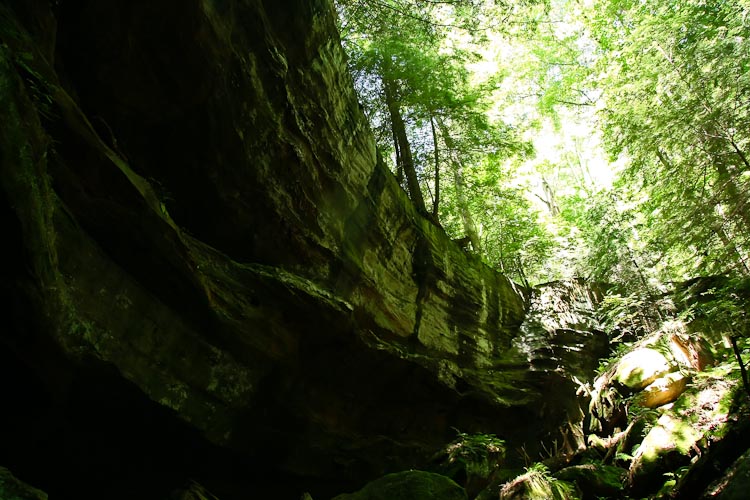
x=408, y=485
x=670, y=442
x=640, y=367
x=698, y=419
x=663, y=390
x=702, y=433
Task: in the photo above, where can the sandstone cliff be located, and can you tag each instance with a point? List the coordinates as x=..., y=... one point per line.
x=197, y=224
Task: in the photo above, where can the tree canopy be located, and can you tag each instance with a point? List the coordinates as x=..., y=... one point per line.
x=606, y=140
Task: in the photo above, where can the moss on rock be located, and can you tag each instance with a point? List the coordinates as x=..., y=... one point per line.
x=595, y=480
x=13, y=489
x=408, y=485
x=696, y=419
x=639, y=368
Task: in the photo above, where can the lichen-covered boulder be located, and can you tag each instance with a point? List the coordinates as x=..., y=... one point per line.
x=409, y=485
x=663, y=390
x=639, y=368
x=13, y=489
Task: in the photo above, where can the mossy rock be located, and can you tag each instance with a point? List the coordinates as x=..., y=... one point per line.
x=639, y=368
x=697, y=417
x=595, y=480
x=663, y=390
x=13, y=489
x=671, y=434
x=409, y=485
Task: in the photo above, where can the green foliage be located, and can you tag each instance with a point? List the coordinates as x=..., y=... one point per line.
x=538, y=468
x=619, y=350
x=416, y=56
x=726, y=306
x=622, y=316
x=538, y=484
x=671, y=82
x=513, y=237
x=724, y=309
x=478, y=454
x=676, y=86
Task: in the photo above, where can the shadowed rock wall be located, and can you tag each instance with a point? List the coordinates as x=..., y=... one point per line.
x=190, y=196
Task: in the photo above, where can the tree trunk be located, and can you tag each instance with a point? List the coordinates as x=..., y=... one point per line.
x=399, y=163
x=550, y=198
x=436, y=201
x=461, y=199
x=404, y=149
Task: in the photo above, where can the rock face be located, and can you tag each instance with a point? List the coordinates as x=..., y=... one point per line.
x=193, y=206
x=563, y=341
x=13, y=489
x=735, y=483
x=561, y=332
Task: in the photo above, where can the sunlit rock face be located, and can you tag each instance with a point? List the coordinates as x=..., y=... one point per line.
x=561, y=332
x=193, y=202
x=563, y=342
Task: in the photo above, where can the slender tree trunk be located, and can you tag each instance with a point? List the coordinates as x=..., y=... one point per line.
x=646, y=287
x=436, y=201
x=463, y=207
x=461, y=199
x=551, y=199
x=740, y=154
x=399, y=163
x=743, y=369
x=404, y=149
x=521, y=274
